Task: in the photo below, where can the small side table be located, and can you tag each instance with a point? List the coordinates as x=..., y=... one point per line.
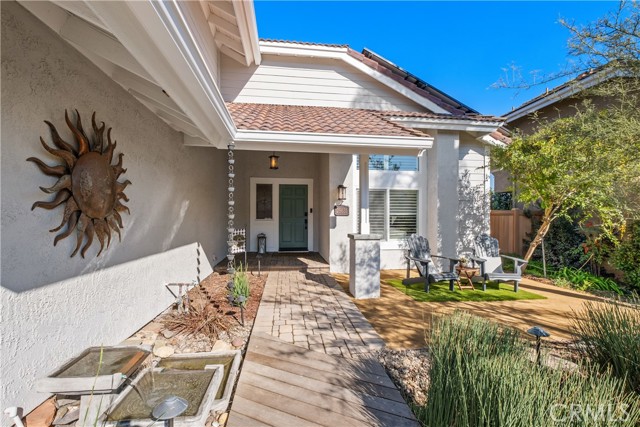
x=467, y=273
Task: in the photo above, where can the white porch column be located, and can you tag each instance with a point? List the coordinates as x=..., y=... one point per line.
x=364, y=194
x=442, y=193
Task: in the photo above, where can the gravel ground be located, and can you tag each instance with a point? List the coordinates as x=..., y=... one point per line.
x=409, y=370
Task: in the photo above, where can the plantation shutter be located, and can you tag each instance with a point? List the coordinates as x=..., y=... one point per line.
x=377, y=208
x=403, y=213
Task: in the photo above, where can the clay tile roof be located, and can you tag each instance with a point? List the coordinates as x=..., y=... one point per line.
x=502, y=135
x=307, y=119
x=304, y=43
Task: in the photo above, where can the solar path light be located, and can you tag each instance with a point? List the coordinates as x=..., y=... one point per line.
x=539, y=333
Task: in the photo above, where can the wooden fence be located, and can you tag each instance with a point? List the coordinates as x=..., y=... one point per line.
x=510, y=228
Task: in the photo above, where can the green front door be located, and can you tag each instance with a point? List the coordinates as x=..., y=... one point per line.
x=293, y=218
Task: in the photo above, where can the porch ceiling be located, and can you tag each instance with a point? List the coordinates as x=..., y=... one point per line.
x=150, y=48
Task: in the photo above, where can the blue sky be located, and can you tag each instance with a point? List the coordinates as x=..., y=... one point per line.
x=461, y=48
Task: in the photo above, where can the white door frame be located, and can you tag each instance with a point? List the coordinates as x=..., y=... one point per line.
x=271, y=227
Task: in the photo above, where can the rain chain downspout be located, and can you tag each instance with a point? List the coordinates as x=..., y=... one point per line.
x=231, y=215
x=231, y=242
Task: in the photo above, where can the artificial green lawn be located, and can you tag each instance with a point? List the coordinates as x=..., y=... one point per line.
x=439, y=292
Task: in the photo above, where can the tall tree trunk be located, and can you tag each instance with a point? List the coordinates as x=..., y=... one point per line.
x=547, y=219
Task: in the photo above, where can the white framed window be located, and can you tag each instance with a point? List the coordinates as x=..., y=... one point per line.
x=392, y=213
x=390, y=162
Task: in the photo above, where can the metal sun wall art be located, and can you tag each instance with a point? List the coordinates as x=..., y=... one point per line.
x=87, y=183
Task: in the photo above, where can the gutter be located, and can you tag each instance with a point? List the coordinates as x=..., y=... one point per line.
x=330, y=143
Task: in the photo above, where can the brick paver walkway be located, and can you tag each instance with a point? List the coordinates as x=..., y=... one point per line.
x=303, y=305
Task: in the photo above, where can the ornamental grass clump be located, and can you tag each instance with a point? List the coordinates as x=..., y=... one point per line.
x=610, y=333
x=482, y=375
x=240, y=291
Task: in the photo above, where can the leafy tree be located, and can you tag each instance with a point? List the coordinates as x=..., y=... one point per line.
x=611, y=43
x=586, y=163
x=627, y=255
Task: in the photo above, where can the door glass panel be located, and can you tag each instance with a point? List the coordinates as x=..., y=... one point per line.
x=264, y=201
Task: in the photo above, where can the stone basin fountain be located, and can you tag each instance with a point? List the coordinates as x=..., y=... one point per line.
x=230, y=360
x=117, y=395
x=134, y=406
x=97, y=370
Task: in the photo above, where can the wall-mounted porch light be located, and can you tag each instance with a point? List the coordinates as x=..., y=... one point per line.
x=273, y=161
x=342, y=193
x=339, y=209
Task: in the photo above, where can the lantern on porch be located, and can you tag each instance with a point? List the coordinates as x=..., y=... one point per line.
x=273, y=161
x=262, y=244
x=342, y=193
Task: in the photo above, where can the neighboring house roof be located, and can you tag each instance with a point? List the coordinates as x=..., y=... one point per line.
x=393, y=72
x=321, y=120
x=565, y=90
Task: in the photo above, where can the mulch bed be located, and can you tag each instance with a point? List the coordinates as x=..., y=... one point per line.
x=213, y=290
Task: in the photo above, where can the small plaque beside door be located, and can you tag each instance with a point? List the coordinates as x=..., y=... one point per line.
x=341, y=210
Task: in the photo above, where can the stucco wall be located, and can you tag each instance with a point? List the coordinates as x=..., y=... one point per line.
x=341, y=167
x=54, y=306
x=325, y=208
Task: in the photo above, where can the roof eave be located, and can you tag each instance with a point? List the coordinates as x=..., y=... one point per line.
x=449, y=124
x=558, y=94
x=330, y=143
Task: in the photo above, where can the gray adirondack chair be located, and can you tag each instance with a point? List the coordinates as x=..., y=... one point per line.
x=420, y=254
x=487, y=255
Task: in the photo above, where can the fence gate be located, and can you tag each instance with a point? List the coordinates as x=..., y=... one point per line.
x=510, y=228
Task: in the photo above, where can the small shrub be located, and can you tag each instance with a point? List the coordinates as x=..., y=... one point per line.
x=563, y=244
x=205, y=319
x=502, y=201
x=585, y=281
x=240, y=291
x=481, y=375
x=611, y=336
x=626, y=256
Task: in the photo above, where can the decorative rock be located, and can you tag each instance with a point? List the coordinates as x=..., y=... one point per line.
x=237, y=342
x=70, y=417
x=42, y=416
x=168, y=333
x=164, y=351
x=221, y=346
x=61, y=413
x=153, y=327
x=64, y=402
x=132, y=341
x=222, y=419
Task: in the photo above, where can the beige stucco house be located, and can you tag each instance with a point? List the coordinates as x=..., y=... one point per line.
x=178, y=82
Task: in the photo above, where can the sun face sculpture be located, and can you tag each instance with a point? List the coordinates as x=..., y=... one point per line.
x=87, y=185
